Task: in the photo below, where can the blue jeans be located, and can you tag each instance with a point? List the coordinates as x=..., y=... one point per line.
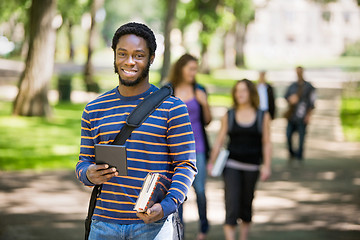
x=199, y=186
x=160, y=230
x=292, y=127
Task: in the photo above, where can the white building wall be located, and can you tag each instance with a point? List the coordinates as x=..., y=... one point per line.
x=295, y=29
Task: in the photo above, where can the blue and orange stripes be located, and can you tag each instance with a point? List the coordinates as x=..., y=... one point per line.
x=163, y=143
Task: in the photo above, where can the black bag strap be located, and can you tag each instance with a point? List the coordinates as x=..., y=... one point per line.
x=94, y=194
x=140, y=113
x=260, y=118
x=231, y=117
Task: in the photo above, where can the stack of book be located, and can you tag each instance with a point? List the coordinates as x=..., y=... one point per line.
x=153, y=190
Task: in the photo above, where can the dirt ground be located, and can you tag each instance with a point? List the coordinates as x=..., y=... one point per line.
x=318, y=200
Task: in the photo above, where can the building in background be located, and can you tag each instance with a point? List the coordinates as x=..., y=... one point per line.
x=294, y=30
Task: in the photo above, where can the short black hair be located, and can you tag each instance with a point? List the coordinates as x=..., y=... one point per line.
x=138, y=29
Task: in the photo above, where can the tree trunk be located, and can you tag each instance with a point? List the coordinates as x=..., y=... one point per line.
x=91, y=85
x=229, y=49
x=169, y=22
x=32, y=97
x=204, y=64
x=240, y=42
x=71, y=44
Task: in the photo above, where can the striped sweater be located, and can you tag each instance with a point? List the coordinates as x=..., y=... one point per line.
x=164, y=143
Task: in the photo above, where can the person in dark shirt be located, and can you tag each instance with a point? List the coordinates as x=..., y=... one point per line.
x=300, y=96
x=249, y=157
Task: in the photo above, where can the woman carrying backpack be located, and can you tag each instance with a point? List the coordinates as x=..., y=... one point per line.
x=249, y=145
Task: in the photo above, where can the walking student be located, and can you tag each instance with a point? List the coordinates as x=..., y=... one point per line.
x=183, y=80
x=164, y=143
x=300, y=96
x=248, y=130
x=266, y=95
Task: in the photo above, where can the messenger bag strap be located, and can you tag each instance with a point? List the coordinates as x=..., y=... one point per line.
x=141, y=112
x=92, y=203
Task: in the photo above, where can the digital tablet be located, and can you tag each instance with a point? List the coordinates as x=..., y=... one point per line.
x=113, y=155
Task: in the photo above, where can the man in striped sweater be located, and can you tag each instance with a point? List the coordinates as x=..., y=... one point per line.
x=164, y=143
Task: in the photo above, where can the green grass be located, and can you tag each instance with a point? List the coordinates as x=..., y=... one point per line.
x=221, y=88
x=37, y=143
x=350, y=118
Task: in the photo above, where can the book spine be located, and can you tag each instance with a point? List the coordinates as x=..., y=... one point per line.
x=152, y=193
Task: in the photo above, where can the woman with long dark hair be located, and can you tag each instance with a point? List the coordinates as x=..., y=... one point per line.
x=182, y=78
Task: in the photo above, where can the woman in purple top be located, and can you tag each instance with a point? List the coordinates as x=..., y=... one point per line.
x=182, y=78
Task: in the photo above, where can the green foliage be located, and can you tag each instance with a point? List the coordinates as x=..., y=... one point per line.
x=350, y=118
x=185, y=14
x=352, y=49
x=14, y=8
x=244, y=11
x=118, y=12
x=15, y=12
x=72, y=10
x=204, y=11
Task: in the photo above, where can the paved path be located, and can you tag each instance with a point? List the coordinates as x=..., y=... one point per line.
x=319, y=200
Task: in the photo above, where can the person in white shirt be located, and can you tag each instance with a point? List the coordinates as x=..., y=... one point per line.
x=266, y=95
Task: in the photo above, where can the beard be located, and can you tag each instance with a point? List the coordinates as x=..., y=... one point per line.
x=144, y=74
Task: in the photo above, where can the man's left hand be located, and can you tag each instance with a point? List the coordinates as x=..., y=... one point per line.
x=153, y=214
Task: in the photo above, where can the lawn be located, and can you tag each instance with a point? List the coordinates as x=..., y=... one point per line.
x=37, y=143
x=350, y=118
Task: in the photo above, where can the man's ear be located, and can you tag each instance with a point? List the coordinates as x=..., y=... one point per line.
x=152, y=59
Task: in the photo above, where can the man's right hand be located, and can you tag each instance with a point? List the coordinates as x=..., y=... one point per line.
x=98, y=174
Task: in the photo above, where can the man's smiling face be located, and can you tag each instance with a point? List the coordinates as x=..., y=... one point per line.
x=132, y=60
